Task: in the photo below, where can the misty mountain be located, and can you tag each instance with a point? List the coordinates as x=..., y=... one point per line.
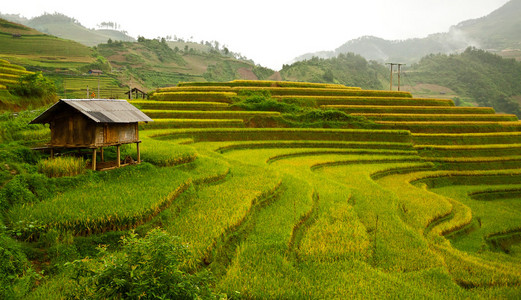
x=69, y=28
x=497, y=32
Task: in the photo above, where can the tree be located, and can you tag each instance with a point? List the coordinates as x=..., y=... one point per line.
x=34, y=85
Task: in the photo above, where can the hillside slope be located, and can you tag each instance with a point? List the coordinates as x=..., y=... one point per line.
x=474, y=77
x=65, y=27
x=155, y=63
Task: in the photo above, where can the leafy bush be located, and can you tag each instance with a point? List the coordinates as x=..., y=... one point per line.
x=16, y=276
x=262, y=101
x=34, y=85
x=25, y=188
x=149, y=268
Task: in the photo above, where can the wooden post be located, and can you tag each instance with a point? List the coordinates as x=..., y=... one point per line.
x=102, y=156
x=94, y=159
x=52, y=153
x=138, y=154
x=119, y=156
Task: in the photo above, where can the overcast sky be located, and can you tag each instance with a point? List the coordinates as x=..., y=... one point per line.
x=271, y=32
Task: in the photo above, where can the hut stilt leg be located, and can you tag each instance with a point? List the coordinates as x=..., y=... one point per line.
x=138, y=154
x=102, y=156
x=94, y=159
x=119, y=156
x=52, y=153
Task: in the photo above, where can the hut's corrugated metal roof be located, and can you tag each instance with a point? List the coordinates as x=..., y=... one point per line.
x=98, y=110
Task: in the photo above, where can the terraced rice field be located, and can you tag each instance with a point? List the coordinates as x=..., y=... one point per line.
x=423, y=205
x=10, y=73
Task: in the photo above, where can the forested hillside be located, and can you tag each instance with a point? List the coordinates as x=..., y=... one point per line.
x=488, y=79
x=349, y=69
x=154, y=63
x=475, y=76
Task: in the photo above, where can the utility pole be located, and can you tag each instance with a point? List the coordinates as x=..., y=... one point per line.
x=399, y=70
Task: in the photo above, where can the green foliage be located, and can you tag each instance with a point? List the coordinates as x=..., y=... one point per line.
x=262, y=101
x=100, y=63
x=224, y=70
x=17, y=277
x=348, y=69
x=146, y=268
x=485, y=77
x=261, y=72
x=34, y=85
x=60, y=249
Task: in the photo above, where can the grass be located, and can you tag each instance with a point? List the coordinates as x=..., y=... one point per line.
x=62, y=166
x=453, y=126
x=367, y=100
x=395, y=109
x=264, y=83
x=194, y=114
x=194, y=123
x=215, y=210
x=224, y=97
x=490, y=150
x=102, y=205
x=259, y=134
x=438, y=117
x=472, y=138
x=179, y=105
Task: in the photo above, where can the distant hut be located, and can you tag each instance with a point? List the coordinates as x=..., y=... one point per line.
x=92, y=124
x=95, y=72
x=135, y=93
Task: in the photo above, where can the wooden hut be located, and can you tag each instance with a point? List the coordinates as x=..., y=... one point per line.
x=92, y=124
x=135, y=93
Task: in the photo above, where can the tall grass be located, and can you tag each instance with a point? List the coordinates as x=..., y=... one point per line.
x=62, y=166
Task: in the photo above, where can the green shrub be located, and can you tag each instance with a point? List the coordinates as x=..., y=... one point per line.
x=318, y=118
x=17, y=191
x=60, y=249
x=16, y=275
x=34, y=85
x=262, y=101
x=62, y=166
x=150, y=267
